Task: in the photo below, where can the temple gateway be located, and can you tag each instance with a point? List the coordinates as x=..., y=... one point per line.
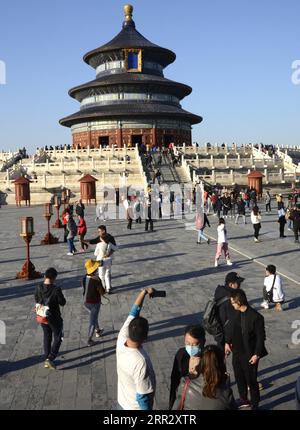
x=130, y=102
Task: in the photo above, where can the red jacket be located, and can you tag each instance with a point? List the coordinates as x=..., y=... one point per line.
x=214, y=199
x=64, y=219
x=81, y=227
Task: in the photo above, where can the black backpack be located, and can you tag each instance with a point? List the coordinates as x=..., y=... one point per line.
x=211, y=320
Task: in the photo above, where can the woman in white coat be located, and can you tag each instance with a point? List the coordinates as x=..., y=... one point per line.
x=256, y=219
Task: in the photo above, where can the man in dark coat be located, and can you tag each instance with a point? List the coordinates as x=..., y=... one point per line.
x=295, y=216
x=246, y=340
x=226, y=200
x=80, y=208
x=48, y=294
x=194, y=339
x=241, y=209
x=103, y=236
x=226, y=312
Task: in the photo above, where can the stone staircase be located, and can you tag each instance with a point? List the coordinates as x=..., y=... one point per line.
x=170, y=174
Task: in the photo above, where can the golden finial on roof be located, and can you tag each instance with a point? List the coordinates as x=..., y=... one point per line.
x=128, y=10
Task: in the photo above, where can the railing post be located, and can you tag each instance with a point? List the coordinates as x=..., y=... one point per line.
x=226, y=161
x=266, y=173
x=213, y=174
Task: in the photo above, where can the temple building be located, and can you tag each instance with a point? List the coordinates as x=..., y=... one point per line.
x=130, y=101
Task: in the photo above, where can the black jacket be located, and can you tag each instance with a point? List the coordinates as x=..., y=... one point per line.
x=180, y=369
x=241, y=207
x=295, y=216
x=52, y=296
x=108, y=239
x=206, y=221
x=253, y=333
x=227, y=201
x=226, y=311
x=219, y=204
x=80, y=210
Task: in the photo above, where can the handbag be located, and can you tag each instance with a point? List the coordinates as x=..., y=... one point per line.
x=42, y=312
x=269, y=294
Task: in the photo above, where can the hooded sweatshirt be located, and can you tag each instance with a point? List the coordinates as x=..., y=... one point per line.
x=52, y=296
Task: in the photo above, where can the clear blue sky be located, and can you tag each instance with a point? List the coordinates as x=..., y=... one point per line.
x=236, y=55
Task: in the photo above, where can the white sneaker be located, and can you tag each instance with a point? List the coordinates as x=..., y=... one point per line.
x=229, y=263
x=99, y=332
x=256, y=240
x=70, y=253
x=216, y=263
x=264, y=305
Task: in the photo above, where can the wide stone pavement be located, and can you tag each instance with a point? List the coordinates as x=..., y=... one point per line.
x=168, y=259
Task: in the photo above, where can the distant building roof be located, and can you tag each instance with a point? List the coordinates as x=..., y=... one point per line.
x=144, y=109
x=87, y=179
x=255, y=174
x=22, y=180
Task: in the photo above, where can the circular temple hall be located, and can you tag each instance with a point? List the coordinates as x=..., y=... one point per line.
x=130, y=102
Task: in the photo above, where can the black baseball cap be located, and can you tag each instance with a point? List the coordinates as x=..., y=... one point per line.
x=233, y=277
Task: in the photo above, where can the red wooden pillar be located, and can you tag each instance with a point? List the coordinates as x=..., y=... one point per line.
x=154, y=138
x=120, y=138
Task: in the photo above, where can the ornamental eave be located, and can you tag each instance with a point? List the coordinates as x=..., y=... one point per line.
x=126, y=80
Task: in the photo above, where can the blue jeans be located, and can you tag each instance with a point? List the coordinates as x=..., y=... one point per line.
x=71, y=245
x=94, y=309
x=201, y=236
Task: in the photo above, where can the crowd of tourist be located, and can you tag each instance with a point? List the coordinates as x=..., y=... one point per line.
x=199, y=379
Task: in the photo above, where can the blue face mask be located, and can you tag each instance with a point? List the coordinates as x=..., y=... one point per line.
x=193, y=350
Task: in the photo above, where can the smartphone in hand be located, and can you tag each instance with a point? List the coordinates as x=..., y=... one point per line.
x=158, y=294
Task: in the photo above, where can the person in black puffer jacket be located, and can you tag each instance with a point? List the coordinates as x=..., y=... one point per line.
x=210, y=390
x=50, y=295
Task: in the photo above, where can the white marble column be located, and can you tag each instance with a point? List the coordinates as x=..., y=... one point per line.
x=266, y=173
